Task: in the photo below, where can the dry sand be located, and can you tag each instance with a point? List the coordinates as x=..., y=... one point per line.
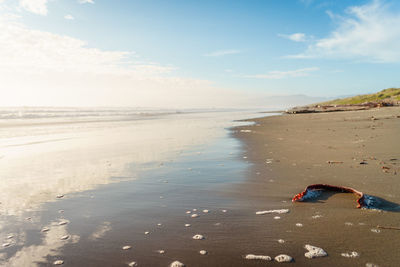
x=290, y=152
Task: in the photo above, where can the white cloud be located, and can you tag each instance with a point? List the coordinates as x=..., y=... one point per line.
x=48, y=69
x=86, y=1
x=368, y=32
x=35, y=6
x=284, y=74
x=69, y=17
x=221, y=53
x=296, y=37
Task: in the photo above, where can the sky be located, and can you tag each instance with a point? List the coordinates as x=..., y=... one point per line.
x=194, y=54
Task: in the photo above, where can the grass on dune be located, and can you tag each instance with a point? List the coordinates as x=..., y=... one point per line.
x=392, y=94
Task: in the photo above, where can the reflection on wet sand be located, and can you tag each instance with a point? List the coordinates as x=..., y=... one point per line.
x=53, y=239
x=41, y=165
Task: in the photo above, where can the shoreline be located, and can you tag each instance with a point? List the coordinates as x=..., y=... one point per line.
x=290, y=152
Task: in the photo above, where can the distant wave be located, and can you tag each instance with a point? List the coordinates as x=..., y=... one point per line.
x=56, y=112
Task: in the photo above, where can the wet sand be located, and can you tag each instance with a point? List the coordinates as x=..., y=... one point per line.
x=233, y=178
x=290, y=152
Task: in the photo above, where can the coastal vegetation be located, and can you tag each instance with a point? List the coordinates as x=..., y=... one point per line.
x=386, y=95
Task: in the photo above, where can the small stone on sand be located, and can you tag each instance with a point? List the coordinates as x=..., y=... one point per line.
x=299, y=224
x=65, y=237
x=59, y=196
x=203, y=252
x=257, y=257
x=194, y=209
x=177, y=264
x=205, y=211
x=281, y=211
x=188, y=212
x=352, y=254
x=194, y=215
x=375, y=230
x=126, y=247
x=198, y=237
x=132, y=264
x=159, y=224
x=58, y=262
x=369, y=264
x=314, y=252
x=283, y=258
x=187, y=225
x=224, y=211
x=45, y=229
x=147, y=232
x=316, y=216
x=161, y=251
x=6, y=245
x=62, y=223
x=281, y=241
x=10, y=236
x=348, y=223
x=60, y=211
x=277, y=217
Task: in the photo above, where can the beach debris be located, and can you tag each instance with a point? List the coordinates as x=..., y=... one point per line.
x=177, y=264
x=147, y=232
x=59, y=196
x=281, y=241
x=314, y=252
x=352, y=254
x=281, y=211
x=369, y=264
x=206, y=211
x=6, y=245
x=161, y=251
x=334, y=162
x=283, y=258
x=224, y=211
x=375, y=230
x=348, y=223
x=62, y=223
x=277, y=218
x=64, y=237
x=194, y=215
x=363, y=163
x=198, y=237
x=388, y=227
x=58, y=262
x=257, y=257
x=187, y=225
x=45, y=229
x=299, y=224
x=245, y=131
x=314, y=190
x=132, y=264
x=203, y=252
x=126, y=247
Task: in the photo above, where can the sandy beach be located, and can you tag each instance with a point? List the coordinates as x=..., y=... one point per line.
x=196, y=202
x=290, y=152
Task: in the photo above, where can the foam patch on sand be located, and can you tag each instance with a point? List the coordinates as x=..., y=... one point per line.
x=314, y=252
x=352, y=254
x=283, y=258
x=258, y=257
x=281, y=211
